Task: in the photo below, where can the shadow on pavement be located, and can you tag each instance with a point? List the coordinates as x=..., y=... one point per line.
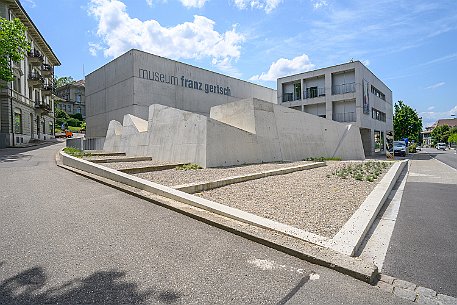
x=13, y=154
x=102, y=287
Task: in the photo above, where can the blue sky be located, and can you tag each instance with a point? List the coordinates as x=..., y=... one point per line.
x=410, y=45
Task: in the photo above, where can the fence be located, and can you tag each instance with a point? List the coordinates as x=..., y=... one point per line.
x=86, y=144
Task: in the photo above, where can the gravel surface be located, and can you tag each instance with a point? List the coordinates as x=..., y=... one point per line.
x=175, y=177
x=313, y=200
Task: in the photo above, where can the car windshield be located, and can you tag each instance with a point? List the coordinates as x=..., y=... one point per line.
x=399, y=144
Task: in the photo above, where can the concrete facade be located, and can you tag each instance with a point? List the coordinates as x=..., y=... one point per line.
x=26, y=104
x=132, y=82
x=241, y=132
x=72, y=98
x=345, y=93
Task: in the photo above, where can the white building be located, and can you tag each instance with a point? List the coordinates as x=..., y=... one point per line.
x=26, y=105
x=135, y=80
x=345, y=93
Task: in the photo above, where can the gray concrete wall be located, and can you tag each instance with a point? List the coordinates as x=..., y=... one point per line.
x=141, y=79
x=242, y=132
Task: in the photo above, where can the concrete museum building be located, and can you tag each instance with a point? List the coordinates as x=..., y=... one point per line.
x=344, y=93
x=132, y=82
x=26, y=104
x=143, y=104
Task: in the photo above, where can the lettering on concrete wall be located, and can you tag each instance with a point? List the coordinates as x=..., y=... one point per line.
x=183, y=82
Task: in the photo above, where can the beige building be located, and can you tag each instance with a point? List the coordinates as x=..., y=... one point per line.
x=26, y=105
x=72, y=98
x=345, y=93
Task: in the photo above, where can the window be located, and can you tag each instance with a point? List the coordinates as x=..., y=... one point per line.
x=378, y=93
x=78, y=98
x=378, y=141
x=17, y=120
x=378, y=115
x=50, y=128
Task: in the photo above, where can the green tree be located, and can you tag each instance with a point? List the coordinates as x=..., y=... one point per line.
x=13, y=46
x=453, y=138
x=77, y=116
x=407, y=123
x=62, y=81
x=441, y=134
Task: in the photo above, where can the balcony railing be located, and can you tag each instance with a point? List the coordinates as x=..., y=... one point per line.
x=47, y=89
x=46, y=70
x=35, y=79
x=344, y=117
x=42, y=106
x=35, y=57
x=313, y=92
x=345, y=88
x=289, y=97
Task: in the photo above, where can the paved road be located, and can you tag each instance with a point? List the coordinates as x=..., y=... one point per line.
x=423, y=248
x=66, y=239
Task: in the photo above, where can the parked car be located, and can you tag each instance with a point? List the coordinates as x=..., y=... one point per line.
x=400, y=148
x=419, y=148
x=441, y=146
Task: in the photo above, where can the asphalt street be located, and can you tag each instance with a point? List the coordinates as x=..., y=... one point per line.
x=68, y=240
x=423, y=248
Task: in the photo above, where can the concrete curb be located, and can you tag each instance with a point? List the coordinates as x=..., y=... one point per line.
x=193, y=188
x=351, y=235
x=354, y=267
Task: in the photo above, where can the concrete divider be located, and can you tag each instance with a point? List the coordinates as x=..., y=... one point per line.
x=192, y=200
x=354, y=267
x=351, y=235
x=193, y=188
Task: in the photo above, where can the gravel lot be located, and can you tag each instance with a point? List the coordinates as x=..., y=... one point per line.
x=314, y=200
x=175, y=177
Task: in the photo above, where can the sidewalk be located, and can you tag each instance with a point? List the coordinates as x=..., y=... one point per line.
x=423, y=248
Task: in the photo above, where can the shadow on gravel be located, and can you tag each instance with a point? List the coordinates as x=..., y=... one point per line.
x=102, y=287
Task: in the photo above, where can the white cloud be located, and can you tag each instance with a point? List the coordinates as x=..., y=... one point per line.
x=437, y=85
x=317, y=4
x=267, y=5
x=149, y=3
x=366, y=62
x=430, y=117
x=193, y=3
x=431, y=108
x=284, y=67
x=94, y=48
x=190, y=40
x=31, y=3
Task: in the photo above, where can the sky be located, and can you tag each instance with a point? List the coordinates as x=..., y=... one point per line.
x=411, y=45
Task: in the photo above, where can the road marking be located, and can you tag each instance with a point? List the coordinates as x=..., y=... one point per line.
x=265, y=264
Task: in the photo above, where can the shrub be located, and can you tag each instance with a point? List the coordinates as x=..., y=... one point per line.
x=412, y=147
x=73, y=122
x=368, y=171
x=188, y=166
x=74, y=152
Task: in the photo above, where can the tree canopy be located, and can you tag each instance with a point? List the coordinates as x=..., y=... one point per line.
x=13, y=46
x=62, y=81
x=407, y=123
x=441, y=134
